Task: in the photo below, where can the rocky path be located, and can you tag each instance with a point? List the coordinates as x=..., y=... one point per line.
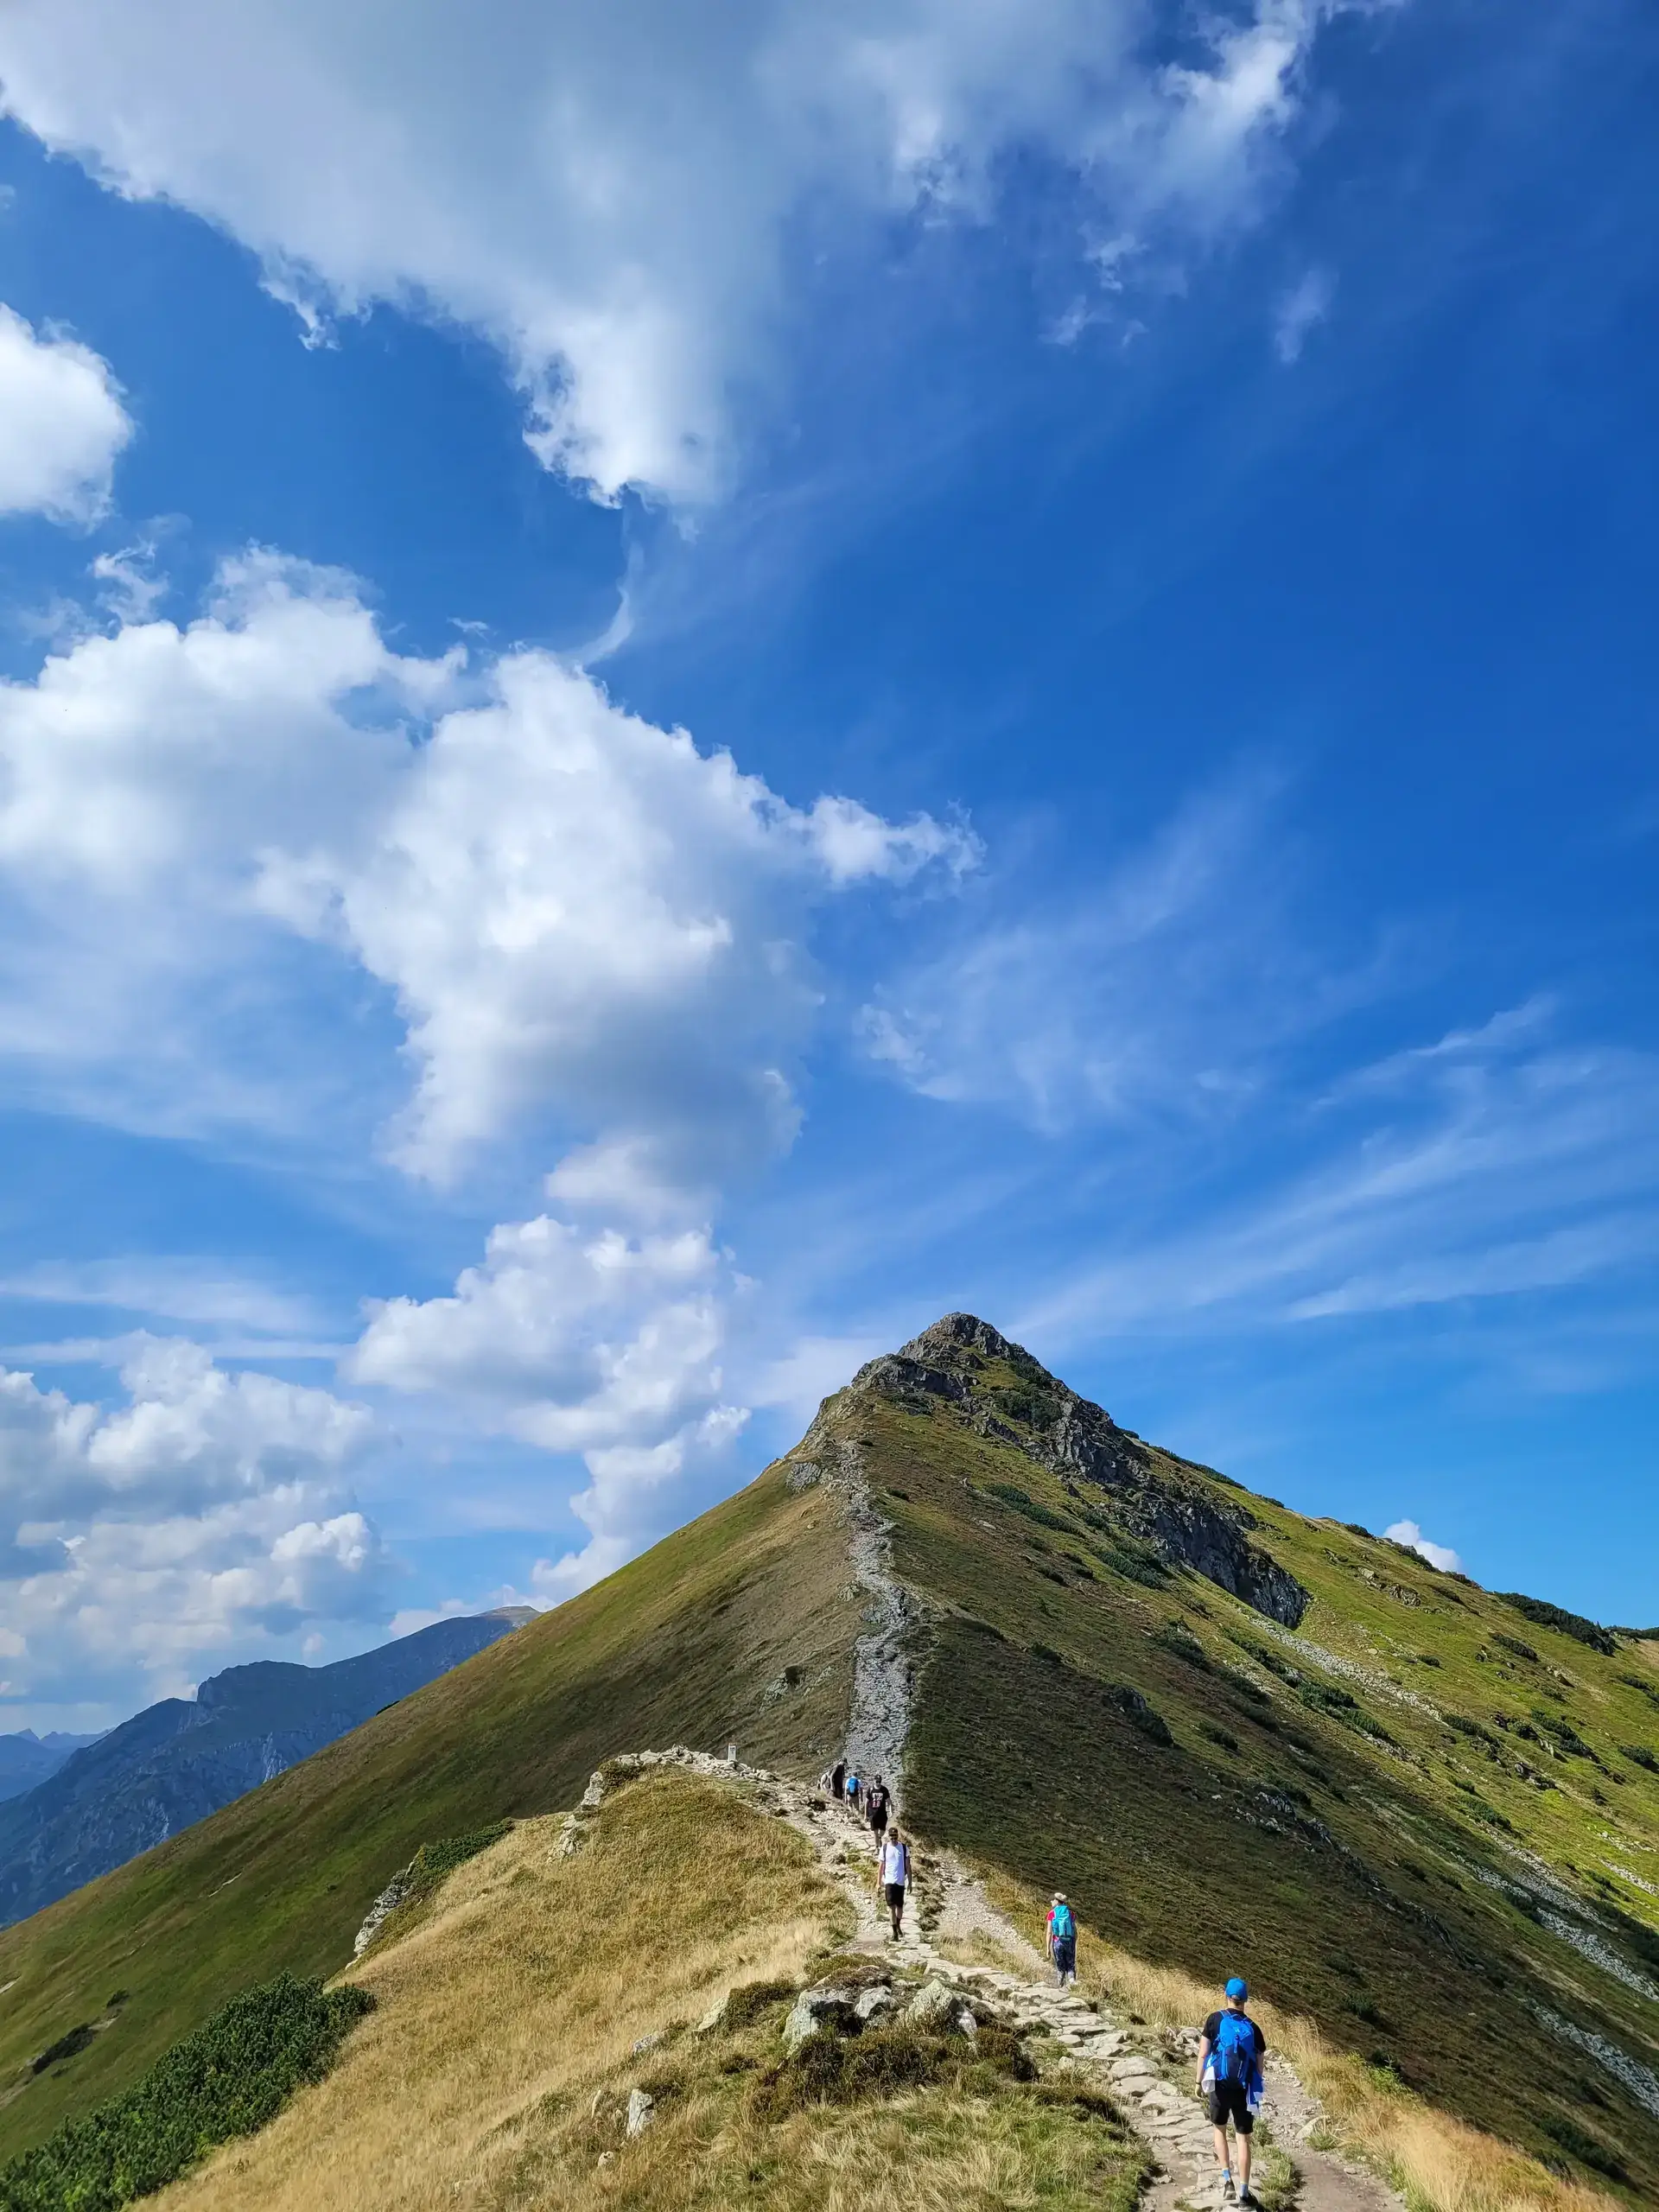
x=1154, y=2090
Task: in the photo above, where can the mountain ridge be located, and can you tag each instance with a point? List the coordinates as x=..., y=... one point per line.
x=1420, y=1818
x=177, y=1761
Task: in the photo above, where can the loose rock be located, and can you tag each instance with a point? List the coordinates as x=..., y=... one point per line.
x=642, y=2109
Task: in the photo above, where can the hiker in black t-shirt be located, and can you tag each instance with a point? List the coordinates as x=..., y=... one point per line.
x=876, y=1801
x=837, y=1779
x=1230, y=2051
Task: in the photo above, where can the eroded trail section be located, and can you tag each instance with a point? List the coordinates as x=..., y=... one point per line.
x=1149, y=2075
x=885, y=1655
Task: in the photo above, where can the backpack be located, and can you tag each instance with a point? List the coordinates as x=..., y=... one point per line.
x=1062, y=1926
x=1236, y=2058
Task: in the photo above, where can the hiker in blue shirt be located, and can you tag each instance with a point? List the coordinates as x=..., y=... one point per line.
x=1230, y=2051
x=1062, y=1944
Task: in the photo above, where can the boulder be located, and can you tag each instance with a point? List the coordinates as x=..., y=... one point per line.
x=932, y=2005
x=872, y=2004
x=829, y=2006
x=642, y=2110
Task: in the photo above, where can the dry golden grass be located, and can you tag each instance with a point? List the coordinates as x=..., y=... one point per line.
x=934, y=2153
x=1438, y=2164
x=494, y=2074
x=525, y=1989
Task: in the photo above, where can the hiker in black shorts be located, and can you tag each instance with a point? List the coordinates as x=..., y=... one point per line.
x=876, y=1801
x=1230, y=2051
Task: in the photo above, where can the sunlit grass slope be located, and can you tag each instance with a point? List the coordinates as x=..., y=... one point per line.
x=496, y=2068
x=1359, y=1831
x=689, y=1643
x=1438, y=2164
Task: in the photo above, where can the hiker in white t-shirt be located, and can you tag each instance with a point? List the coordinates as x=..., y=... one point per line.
x=893, y=1876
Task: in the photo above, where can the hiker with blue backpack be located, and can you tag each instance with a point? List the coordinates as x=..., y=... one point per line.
x=1062, y=1945
x=1230, y=2051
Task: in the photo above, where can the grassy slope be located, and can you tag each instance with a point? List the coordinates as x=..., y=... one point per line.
x=1385, y=1934
x=680, y=1646
x=496, y=2069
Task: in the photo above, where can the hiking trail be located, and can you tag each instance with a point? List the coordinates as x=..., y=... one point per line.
x=1153, y=2087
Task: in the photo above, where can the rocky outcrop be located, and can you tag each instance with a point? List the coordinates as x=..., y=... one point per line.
x=1148, y=1494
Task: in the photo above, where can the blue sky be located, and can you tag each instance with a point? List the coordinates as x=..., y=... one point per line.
x=679, y=693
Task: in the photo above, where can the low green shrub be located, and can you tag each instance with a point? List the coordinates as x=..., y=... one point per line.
x=67, y=2046
x=1544, y=1615
x=746, y=2003
x=1139, y=1711
x=835, y=2070
x=1175, y=1638
x=228, y=2079
x=1022, y=1501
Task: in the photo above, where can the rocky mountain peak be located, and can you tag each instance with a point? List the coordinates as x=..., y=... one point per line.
x=962, y=1369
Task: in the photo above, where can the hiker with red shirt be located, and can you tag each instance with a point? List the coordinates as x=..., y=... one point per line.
x=1230, y=2051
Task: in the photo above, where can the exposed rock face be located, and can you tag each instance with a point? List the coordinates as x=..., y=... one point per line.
x=1152, y=1496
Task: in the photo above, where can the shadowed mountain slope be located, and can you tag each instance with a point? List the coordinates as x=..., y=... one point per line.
x=27, y=1760
x=1240, y=1737
x=177, y=1761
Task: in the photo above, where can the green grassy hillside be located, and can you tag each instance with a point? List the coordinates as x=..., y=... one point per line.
x=1422, y=1817
x=688, y=1643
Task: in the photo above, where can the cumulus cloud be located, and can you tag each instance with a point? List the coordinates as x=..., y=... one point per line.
x=61, y=424
x=591, y=930
x=207, y=1511
x=606, y=191
x=587, y=1341
x=1441, y=1555
x=575, y=913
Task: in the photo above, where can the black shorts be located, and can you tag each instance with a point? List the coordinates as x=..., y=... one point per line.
x=1231, y=2101
x=895, y=1896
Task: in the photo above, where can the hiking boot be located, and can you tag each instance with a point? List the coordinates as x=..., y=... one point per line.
x=1249, y=2201
x=1229, y=2194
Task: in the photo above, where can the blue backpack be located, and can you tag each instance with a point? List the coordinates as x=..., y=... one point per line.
x=1236, y=2057
x=1065, y=1929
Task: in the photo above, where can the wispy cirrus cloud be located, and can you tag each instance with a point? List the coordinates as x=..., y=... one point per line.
x=1491, y=1163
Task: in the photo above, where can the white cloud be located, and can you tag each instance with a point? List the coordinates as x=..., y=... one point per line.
x=578, y=915
x=133, y=587
x=1301, y=309
x=588, y=1342
x=607, y=190
x=569, y=902
x=62, y=424
x=593, y=932
x=1441, y=1555
x=206, y=1514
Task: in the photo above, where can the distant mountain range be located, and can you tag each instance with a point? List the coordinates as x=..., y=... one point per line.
x=27, y=1760
x=98, y=1802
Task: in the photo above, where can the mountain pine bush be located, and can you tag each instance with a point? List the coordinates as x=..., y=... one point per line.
x=235, y=2073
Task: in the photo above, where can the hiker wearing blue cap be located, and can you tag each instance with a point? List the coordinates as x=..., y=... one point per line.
x=1230, y=2051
